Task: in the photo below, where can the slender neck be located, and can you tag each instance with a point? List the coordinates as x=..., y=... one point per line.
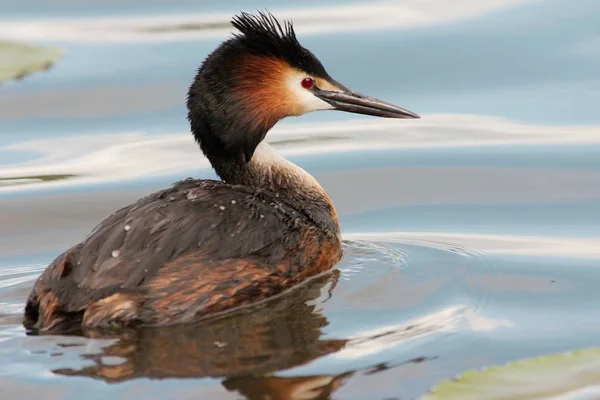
x=271, y=172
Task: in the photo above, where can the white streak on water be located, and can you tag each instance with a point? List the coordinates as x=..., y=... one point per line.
x=133, y=155
x=376, y=15
x=493, y=244
x=448, y=319
x=27, y=273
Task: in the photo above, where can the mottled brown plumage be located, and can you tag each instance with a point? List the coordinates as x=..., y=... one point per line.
x=197, y=248
x=204, y=247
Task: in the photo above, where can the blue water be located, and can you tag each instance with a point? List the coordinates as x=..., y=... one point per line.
x=472, y=235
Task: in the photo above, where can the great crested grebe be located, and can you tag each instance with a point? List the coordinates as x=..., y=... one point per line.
x=206, y=246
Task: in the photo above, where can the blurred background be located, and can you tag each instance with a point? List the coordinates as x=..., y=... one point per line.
x=479, y=223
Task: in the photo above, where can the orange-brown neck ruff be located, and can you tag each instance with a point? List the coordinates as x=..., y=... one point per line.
x=269, y=89
x=261, y=91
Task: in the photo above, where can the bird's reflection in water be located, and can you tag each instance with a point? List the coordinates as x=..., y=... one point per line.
x=318, y=387
x=246, y=348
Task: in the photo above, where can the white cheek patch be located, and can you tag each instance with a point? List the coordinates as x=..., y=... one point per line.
x=304, y=98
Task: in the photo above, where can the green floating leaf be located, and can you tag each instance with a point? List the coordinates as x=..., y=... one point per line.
x=546, y=377
x=19, y=60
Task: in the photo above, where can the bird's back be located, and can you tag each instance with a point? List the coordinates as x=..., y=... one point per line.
x=200, y=247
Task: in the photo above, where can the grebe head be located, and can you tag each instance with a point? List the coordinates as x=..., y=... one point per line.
x=256, y=78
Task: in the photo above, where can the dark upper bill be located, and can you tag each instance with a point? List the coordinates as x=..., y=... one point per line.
x=354, y=102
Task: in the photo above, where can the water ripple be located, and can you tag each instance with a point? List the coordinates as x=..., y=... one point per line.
x=13, y=276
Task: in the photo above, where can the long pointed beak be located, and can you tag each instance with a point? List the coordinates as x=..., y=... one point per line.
x=354, y=102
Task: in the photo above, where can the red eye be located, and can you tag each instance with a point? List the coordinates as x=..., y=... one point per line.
x=308, y=83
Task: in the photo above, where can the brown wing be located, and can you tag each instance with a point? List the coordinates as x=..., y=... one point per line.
x=196, y=248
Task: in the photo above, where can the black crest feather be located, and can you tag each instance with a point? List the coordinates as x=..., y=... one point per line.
x=265, y=32
x=262, y=34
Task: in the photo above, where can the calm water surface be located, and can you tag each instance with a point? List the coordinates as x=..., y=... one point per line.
x=472, y=236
